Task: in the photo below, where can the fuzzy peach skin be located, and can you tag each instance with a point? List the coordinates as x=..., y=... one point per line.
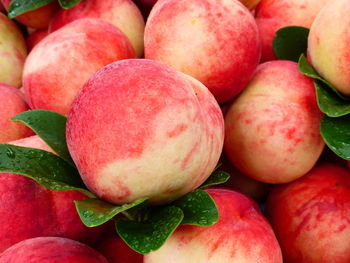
x=29, y=210
x=328, y=45
x=51, y=250
x=272, y=129
x=35, y=37
x=60, y=64
x=242, y=235
x=271, y=15
x=11, y=104
x=115, y=250
x=310, y=216
x=13, y=52
x=214, y=41
x=124, y=14
x=140, y=129
x=38, y=18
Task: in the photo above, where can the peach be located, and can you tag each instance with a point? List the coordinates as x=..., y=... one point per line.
x=115, y=250
x=51, y=250
x=328, y=45
x=124, y=14
x=12, y=52
x=29, y=210
x=60, y=64
x=11, y=104
x=272, y=129
x=271, y=15
x=186, y=35
x=38, y=18
x=35, y=37
x=242, y=235
x=139, y=121
x=315, y=209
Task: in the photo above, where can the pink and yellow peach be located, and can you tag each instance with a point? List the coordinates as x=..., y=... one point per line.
x=242, y=235
x=13, y=52
x=272, y=129
x=60, y=64
x=162, y=132
x=328, y=46
x=123, y=14
x=51, y=250
x=186, y=35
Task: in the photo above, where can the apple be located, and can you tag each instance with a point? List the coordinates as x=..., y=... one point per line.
x=51, y=250
x=328, y=44
x=37, y=18
x=11, y=104
x=139, y=129
x=272, y=129
x=272, y=15
x=242, y=235
x=59, y=65
x=35, y=37
x=115, y=250
x=186, y=35
x=124, y=14
x=13, y=52
x=29, y=210
x=310, y=216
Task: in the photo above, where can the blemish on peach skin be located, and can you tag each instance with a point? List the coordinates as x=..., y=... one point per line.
x=177, y=130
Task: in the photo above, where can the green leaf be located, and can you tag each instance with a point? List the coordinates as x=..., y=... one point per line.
x=45, y=168
x=290, y=42
x=66, y=4
x=149, y=235
x=336, y=134
x=329, y=102
x=217, y=177
x=198, y=208
x=94, y=212
x=50, y=126
x=18, y=7
x=306, y=69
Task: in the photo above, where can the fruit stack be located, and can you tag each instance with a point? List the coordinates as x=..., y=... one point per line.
x=174, y=131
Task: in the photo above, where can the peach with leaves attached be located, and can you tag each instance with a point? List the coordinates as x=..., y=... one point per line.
x=272, y=129
x=242, y=234
x=162, y=132
x=51, y=250
x=59, y=65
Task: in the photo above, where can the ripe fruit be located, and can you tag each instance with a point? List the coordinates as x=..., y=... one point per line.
x=186, y=35
x=310, y=216
x=242, y=235
x=60, y=64
x=272, y=129
x=140, y=129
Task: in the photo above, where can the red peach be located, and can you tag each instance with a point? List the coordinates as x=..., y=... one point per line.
x=11, y=104
x=115, y=250
x=38, y=18
x=310, y=216
x=272, y=15
x=29, y=210
x=51, y=250
x=124, y=14
x=186, y=35
x=242, y=235
x=328, y=45
x=12, y=52
x=60, y=64
x=272, y=129
x=35, y=37
x=162, y=132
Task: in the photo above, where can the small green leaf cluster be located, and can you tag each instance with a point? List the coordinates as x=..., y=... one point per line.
x=144, y=228
x=19, y=7
x=291, y=43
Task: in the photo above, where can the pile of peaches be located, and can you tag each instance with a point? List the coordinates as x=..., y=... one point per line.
x=131, y=107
